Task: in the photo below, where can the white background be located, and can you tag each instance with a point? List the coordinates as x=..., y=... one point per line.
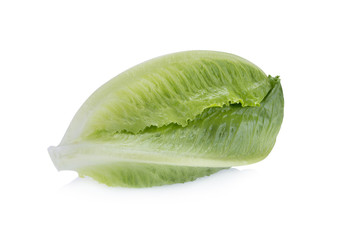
x=54, y=54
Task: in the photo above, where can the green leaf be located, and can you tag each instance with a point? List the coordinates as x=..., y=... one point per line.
x=173, y=119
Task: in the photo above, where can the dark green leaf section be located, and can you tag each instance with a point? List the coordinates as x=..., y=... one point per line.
x=138, y=175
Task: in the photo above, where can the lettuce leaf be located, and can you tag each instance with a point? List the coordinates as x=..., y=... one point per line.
x=174, y=119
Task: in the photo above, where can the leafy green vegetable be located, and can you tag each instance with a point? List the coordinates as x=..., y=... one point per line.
x=173, y=119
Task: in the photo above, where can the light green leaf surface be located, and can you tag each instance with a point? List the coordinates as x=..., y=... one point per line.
x=174, y=119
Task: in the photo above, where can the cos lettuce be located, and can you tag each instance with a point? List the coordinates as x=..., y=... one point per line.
x=173, y=119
